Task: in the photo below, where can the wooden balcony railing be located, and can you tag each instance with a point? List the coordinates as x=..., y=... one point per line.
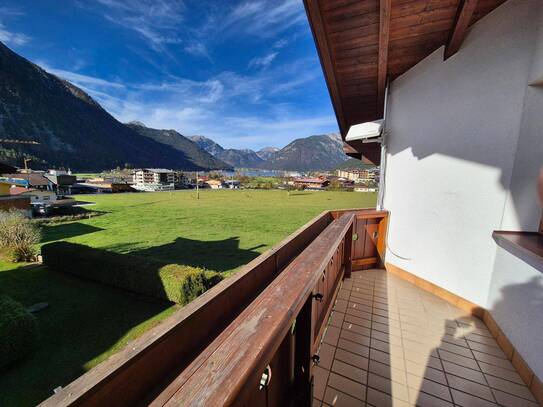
x=250, y=339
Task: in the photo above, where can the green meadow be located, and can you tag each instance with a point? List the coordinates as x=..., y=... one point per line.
x=86, y=322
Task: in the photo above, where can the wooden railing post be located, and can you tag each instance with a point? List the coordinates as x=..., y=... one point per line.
x=303, y=362
x=347, y=252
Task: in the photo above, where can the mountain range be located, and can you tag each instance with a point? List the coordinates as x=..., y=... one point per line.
x=74, y=131
x=320, y=152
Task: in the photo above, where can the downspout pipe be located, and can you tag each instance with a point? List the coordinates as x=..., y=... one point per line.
x=382, y=167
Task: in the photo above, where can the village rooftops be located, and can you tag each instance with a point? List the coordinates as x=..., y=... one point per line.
x=33, y=179
x=156, y=170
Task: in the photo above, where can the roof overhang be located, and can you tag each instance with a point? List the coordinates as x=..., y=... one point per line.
x=362, y=44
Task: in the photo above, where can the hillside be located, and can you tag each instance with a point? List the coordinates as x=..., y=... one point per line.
x=322, y=152
x=237, y=158
x=73, y=130
x=190, y=150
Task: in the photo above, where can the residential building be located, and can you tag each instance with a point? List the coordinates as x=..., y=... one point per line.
x=155, y=179
x=215, y=183
x=434, y=297
x=35, y=180
x=310, y=183
x=37, y=196
x=61, y=181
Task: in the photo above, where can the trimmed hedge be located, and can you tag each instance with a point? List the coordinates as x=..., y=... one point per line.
x=177, y=283
x=18, y=331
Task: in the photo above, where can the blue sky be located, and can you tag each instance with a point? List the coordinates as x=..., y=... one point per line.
x=245, y=73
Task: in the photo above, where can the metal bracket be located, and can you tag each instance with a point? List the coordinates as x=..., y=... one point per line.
x=266, y=378
x=318, y=297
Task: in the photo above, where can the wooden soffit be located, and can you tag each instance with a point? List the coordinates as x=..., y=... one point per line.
x=364, y=43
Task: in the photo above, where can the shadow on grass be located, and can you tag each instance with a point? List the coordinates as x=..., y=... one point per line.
x=66, y=230
x=84, y=323
x=217, y=255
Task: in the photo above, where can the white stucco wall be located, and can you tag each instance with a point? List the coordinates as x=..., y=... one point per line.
x=515, y=297
x=453, y=129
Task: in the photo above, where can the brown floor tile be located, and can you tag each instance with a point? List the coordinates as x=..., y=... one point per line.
x=510, y=387
x=336, y=398
x=320, y=379
x=349, y=371
x=366, y=323
x=459, y=360
x=508, y=400
x=377, y=398
x=353, y=347
x=459, y=350
x=347, y=386
x=357, y=329
x=396, y=339
x=326, y=355
x=475, y=389
x=395, y=389
x=500, y=372
x=428, y=386
x=466, y=400
x=425, y=400
x=352, y=359
x=336, y=319
x=388, y=372
x=464, y=372
x=359, y=307
x=332, y=335
x=426, y=371
x=354, y=337
x=493, y=360
x=491, y=350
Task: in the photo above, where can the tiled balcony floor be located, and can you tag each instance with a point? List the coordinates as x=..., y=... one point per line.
x=389, y=343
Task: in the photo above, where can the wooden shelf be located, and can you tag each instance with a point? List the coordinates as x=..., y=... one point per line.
x=527, y=246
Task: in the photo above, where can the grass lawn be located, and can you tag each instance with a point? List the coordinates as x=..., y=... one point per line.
x=221, y=231
x=86, y=322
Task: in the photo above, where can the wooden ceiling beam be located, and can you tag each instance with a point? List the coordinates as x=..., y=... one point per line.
x=320, y=35
x=384, y=36
x=460, y=26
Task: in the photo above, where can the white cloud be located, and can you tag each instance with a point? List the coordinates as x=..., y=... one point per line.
x=12, y=38
x=236, y=110
x=156, y=21
x=280, y=43
x=262, y=62
x=198, y=49
x=266, y=18
x=9, y=37
x=81, y=80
